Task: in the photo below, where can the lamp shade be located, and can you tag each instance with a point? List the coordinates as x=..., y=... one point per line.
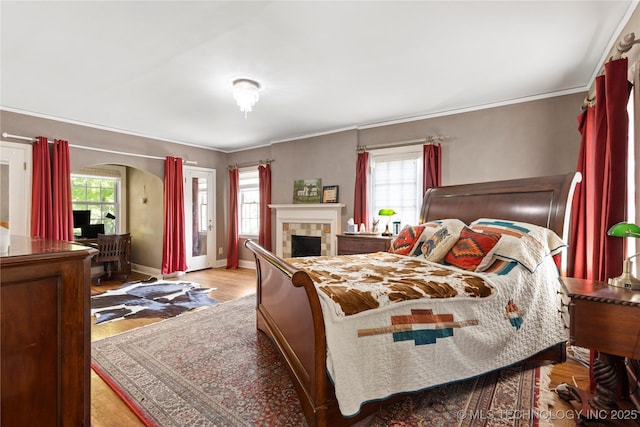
x=624, y=229
x=386, y=212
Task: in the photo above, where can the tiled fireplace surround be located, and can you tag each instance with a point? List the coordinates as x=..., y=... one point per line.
x=321, y=220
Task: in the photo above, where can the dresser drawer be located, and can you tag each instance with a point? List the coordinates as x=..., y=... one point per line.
x=362, y=244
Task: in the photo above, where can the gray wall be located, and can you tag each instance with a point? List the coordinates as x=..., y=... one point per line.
x=514, y=141
x=145, y=221
x=145, y=224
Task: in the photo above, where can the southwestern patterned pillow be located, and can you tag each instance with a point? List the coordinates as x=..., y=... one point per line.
x=527, y=244
x=407, y=240
x=441, y=239
x=472, y=249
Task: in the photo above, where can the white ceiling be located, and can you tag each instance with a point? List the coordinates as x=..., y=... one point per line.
x=163, y=69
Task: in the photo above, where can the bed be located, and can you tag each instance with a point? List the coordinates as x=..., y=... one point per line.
x=292, y=310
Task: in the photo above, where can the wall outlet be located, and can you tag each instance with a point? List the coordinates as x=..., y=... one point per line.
x=220, y=250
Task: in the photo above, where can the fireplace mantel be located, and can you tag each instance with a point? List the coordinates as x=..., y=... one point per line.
x=328, y=215
x=305, y=206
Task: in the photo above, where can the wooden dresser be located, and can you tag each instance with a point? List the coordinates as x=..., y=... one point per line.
x=45, y=333
x=363, y=243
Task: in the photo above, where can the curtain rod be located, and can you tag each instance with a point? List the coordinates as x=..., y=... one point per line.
x=623, y=46
x=426, y=140
x=249, y=164
x=103, y=150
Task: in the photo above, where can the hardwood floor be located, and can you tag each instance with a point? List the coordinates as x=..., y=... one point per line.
x=108, y=410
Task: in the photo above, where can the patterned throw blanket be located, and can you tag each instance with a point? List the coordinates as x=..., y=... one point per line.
x=398, y=324
x=361, y=282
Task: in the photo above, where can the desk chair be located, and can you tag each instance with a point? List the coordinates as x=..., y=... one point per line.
x=115, y=251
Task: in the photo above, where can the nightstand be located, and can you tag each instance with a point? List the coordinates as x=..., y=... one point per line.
x=349, y=244
x=605, y=319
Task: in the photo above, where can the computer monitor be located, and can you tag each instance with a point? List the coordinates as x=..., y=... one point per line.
x=91, y=231
x=81, y=218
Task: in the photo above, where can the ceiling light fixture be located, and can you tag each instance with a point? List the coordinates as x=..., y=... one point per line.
x=246, y=93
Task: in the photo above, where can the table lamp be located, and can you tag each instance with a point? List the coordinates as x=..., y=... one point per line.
x=389, y=213
x=626, y=280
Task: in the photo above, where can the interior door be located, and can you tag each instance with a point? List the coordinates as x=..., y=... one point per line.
x=15, y=187
x=200, y=224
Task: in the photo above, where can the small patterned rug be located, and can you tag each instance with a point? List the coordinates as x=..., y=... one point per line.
x=213, y=368
x=150, y=298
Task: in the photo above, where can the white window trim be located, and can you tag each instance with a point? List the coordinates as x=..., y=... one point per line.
x=240, y=233
x=112, y=171
x=390, y=154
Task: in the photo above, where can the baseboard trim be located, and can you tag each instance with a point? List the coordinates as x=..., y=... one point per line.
x=243, y=263
x=156, y=272
x=143, y=269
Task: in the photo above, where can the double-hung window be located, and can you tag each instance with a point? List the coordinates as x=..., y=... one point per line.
x=396, y=183
x=100, y=191
x=248, y=203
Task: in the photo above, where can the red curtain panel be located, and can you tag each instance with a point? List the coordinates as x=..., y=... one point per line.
x=431, y=173
x=232, y=241
x=264, y=179
x=61, y=185
x=41, y=218
x=174, y=254
x=360, y=203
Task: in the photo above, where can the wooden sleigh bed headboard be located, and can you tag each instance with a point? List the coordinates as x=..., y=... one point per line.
x=544, y=201
x=288, y=307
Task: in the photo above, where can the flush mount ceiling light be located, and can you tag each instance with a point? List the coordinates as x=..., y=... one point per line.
x=246, y=93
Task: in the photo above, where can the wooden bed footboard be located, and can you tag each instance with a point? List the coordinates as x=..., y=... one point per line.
x=288, y=309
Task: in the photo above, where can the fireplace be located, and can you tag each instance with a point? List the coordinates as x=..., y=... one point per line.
x=305, y=246
x=313, y=220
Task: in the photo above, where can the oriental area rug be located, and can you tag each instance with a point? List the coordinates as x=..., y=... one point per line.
x=150, y=298
x=212, y=367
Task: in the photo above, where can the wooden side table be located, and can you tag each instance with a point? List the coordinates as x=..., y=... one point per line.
x=605, y=319
x=349, y=244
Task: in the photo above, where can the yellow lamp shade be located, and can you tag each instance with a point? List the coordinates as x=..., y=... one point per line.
x=386, y=212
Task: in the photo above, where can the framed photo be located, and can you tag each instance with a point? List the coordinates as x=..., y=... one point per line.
x=330, y=194
x=307, y=190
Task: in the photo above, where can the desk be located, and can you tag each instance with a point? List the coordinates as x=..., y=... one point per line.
x=605, y=319
x=85, y=241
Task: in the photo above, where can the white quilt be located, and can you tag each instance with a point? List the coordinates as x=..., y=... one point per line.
x=415, y=344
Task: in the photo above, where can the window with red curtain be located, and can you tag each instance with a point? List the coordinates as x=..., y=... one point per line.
x=600, y=198
x=264, y=177
x=174, y=253
x=232, y=239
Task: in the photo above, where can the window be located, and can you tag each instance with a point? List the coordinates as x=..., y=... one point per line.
x=396, y=183
x=99, y=191
x=203, y=203
x=248, y=202
x=631, y=247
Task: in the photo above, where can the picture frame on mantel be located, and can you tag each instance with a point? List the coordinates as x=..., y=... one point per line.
x=307, y=190
x=330, y=194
